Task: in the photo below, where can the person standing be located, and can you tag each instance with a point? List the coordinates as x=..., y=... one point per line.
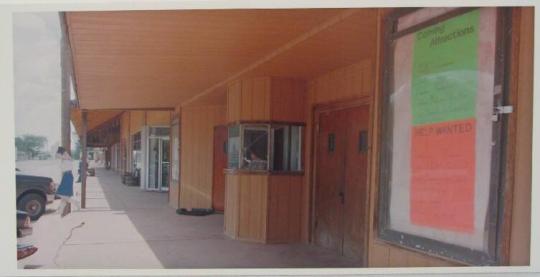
x=65, y=189
x=80, y=166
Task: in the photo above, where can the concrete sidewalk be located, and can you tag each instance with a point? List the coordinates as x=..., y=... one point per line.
x=125, y=227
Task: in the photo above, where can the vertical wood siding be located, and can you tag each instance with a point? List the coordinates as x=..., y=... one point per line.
x=197, y=129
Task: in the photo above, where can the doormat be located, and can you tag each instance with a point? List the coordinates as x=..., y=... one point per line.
x=195, y=211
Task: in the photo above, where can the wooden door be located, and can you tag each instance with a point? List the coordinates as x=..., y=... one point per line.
x=355, y=216
x=341, y=181
x=330, y=181
x=220, y=163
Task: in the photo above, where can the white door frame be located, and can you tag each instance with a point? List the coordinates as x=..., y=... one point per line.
x=145, y=140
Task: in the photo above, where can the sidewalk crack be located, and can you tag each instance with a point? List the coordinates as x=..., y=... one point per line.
x=64, y=243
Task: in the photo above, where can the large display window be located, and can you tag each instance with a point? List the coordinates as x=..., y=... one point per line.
x=441, y=142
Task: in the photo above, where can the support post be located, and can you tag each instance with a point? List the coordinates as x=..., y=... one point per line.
x=84, y=154
x=65, y=67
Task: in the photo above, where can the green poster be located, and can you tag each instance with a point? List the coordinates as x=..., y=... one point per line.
x=445, y=76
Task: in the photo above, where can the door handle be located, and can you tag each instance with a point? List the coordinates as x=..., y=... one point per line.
x=342, y=197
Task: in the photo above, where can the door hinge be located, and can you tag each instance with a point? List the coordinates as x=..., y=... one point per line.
x=501, y=110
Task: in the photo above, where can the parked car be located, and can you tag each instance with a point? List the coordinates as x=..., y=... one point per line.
x=24, y=226
x=25, y=250
x=33, y=194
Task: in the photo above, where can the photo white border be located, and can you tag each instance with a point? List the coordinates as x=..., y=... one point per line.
x=8, y=263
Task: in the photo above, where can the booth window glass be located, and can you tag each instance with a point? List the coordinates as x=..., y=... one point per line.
x=296, y=149
x=440, y=138
x=265, y=147
x=233, y=147
x=286, y=148
x=255, y=147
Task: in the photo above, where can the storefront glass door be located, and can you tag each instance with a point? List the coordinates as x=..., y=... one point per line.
x=165, y=164
x=158, y=159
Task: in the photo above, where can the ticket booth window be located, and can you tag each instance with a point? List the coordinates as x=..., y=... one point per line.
x=265, y=147
x=255, y=147
x=286, y=148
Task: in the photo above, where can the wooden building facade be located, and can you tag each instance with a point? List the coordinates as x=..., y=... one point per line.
x=295, y=134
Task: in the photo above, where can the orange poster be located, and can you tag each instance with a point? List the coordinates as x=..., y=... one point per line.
x=443, y=175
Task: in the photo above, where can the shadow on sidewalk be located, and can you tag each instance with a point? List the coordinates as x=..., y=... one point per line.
x=180, y=241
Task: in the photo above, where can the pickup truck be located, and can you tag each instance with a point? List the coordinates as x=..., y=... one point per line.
x=33, y=194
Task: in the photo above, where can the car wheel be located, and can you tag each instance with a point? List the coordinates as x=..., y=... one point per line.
x=33, y=204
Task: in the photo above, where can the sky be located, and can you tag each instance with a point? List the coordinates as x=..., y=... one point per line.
x=37, y=75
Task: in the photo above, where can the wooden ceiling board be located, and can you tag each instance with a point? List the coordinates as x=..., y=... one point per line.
x=351, y=40
x=121, y=56
x=76, y=119
x=95, y=118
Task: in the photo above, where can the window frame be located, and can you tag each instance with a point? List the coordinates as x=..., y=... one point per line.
x=269, y=126
x=229, y=145
x=495, y=214
x=175, y=164
x=289, y=146
x=256, y=127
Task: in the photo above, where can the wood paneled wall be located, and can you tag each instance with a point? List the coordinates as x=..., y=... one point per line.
x=231, y=213
x=174, y=188
x=344, y=83
x=249, y=99
x=197, y=129
x=137, y=121
x=287, y=99
x=523, y=75
x=266, y=98
x=246, y=199
x=252, y=212
x=126, y=141
x=263, y=208
x=124, y=125
x=158, y=118
x=284, y=208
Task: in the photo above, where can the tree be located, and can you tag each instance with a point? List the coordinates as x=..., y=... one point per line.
x=30, y=144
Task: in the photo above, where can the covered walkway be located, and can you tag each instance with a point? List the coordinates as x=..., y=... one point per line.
x=129, y=228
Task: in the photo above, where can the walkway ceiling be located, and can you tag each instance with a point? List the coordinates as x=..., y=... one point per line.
x=159, y=59
x=95, y=118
